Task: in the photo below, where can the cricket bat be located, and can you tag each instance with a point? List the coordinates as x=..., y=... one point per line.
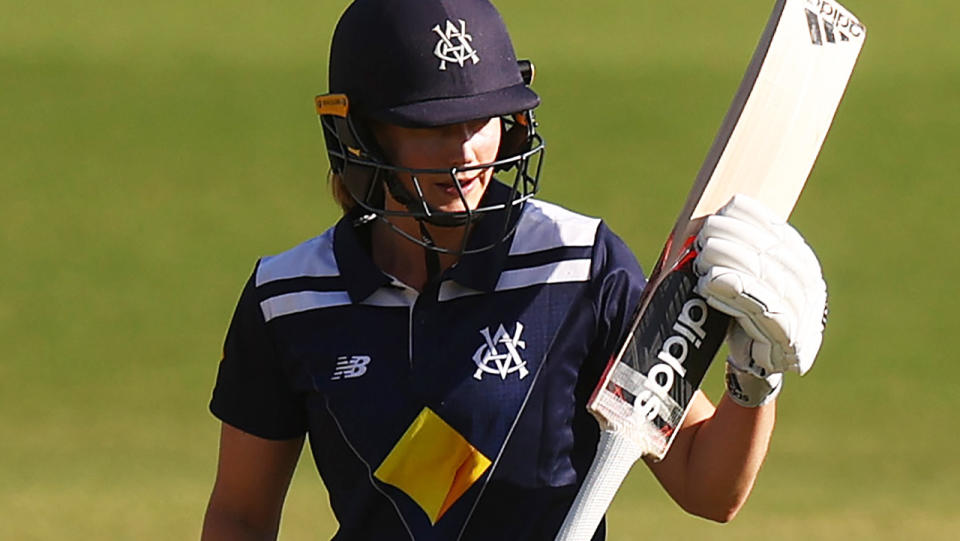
x=766, y=147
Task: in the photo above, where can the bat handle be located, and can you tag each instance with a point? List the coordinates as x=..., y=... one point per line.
x=616, y=454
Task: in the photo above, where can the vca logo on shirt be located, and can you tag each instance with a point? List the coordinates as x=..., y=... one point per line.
x=500, y=354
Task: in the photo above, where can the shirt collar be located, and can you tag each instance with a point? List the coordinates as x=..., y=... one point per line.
x=360, y=274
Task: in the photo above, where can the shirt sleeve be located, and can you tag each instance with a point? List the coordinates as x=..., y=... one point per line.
x=252, y=392
x=621, y=282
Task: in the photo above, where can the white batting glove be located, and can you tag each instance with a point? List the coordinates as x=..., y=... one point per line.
x=759, y=270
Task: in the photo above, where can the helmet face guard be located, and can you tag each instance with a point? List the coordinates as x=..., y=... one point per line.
x=368, y=177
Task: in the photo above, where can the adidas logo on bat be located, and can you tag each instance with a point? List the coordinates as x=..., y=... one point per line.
x=689, y=332
x=830, y=24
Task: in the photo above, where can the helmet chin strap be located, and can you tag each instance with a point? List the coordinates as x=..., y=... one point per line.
x=418, y=206
x=431, y=257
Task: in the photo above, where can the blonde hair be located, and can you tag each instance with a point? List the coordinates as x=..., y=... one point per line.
x=341, y=195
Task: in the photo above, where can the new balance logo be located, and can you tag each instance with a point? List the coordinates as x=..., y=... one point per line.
x=348, y=367
x=828, y=23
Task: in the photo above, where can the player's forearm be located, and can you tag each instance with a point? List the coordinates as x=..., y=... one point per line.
x=725, y=457
x=222, y=526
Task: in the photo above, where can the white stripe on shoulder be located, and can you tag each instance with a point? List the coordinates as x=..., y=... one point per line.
x=313, y=258
x=301, y=301
x=571, y=270
x=544, y=226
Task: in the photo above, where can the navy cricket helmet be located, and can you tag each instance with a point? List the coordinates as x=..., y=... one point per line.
x=421, y=64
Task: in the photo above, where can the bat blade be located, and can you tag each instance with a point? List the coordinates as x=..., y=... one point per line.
x=765, y=148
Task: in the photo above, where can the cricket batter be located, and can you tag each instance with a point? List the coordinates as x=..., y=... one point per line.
x=437, y=345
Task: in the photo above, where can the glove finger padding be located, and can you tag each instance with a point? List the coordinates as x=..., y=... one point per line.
x=756, y=305
x=759, y=270
x=768, y=254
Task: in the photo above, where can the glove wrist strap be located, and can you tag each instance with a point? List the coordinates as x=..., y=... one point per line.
x=749, y=390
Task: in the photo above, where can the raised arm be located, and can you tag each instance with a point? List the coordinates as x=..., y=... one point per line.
x=716, y=457
x=759, y=270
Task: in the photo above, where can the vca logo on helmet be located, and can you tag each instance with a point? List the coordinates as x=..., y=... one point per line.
x=454, y=45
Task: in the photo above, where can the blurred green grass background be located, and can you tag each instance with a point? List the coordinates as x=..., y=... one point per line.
x=150, y=152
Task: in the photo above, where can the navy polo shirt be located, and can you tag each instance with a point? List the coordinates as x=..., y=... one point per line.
x=453, y=413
